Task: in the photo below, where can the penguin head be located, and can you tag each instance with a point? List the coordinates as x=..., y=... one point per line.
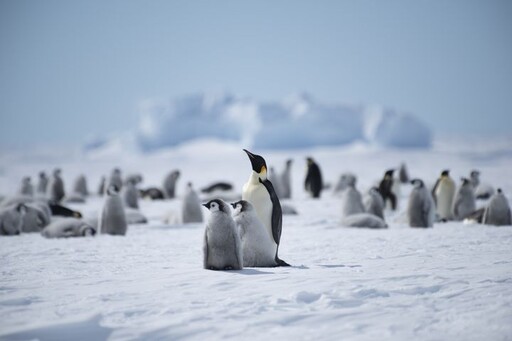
x=389, y=173
x=56, y=172
x=445, y=172
x=374, y=191
x=289, y=162
x=259, y=166
x=42, y=175
x=474, y=173
x=25, y=180
x=175, y=174
x=112, y=190
x=241, y=206
x=116, y=171
x=309, y=161
x=465, y=181
x=417, y=183
x=217, y=205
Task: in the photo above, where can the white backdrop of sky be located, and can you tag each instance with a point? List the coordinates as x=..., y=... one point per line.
x=71, y=69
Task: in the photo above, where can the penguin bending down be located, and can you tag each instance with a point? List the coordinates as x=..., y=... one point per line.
x=191, y=211
x=497, y=211
x=170, y=184
x=367, y=220
x=351, y=202
x=11, y=219
x=443, y=193
x=374, y=203
x=421, y=209
x=261, y=194
x=313, y=183
x=464, y=203
x=258, y=248
x=68, y=227
x=386, y=188
x=222, y=248
x=112, y=219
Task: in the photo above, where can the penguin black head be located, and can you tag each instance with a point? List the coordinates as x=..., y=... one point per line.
x=445, y=172
x=42, y=175
x=310, y=161
x=417, y=183
x=217, y=205
x=257, y=162
x=289, y=162
x=474, y=173
x=499, y=191
x=112, y=189
x=242, y=205
x=465, y=181
x=56, y=172
x=389, y=173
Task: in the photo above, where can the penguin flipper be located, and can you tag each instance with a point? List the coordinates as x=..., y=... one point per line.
x=277, y=213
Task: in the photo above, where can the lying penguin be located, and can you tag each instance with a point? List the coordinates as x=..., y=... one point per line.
x=68, y=227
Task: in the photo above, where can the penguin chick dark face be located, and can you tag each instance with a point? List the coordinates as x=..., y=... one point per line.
x=241, y=206
x=465, y=181
x=474, y=173
x=446, y=172
x=417, y=183
x=112, y=190
x=217, y=205
x=258, y=164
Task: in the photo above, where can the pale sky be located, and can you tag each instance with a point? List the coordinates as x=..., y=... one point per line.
x=71, y=69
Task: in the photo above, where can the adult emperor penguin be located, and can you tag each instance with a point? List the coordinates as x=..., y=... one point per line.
x=313, y=182
x=351, y=202
x=497, y=211
x=443, y=193
x=258, y=247
x=42, y=183
x=191, y=210
x=170, y=184
x=130, y=194
x=258, y=190
x=26, y=187
x=112, y=219
x=80, y=186
x=464, y=203
x=286, y=180
x=386, y=188
x=68, y=227
x=373, y=203
x=222, y=248
x=56, y=187
x=421, y=209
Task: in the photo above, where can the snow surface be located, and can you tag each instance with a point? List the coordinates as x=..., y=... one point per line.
x=298, y=121
x=453, y=281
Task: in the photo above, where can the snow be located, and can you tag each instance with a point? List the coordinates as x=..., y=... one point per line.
x=298, y=121
x=453, y=281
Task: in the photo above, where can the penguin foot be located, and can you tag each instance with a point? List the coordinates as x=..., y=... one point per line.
x=281, y=262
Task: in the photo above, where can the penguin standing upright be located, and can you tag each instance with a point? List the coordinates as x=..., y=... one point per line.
x=286, y=180
x=313, y=183
x=222, y=248
x=421, y=209
x=386, y=188
x=374, y=203
x=497, y=211
x=56, y=187
x=191, y=211
x=130, y=194
x=474, y=178
x=351, y=202
x=42, y=184
x=261, y=194
x=115, y=179
x=81, y=186
x=403, y=174
x=443, y=193
x=464, y=203
x=112, y=219
x=101, y=186
x=170, y=184
x=26, y=186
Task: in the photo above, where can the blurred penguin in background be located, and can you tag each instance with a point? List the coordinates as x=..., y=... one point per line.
x=421, y=209
x=115, y=179
x=26, y=187
x=56, y=186
x=464, y=203
x=286, y=180
x=474, y=178
x=191, y=210
x=11, y=219
x=80, y=186
x=403, y=174
x=386, y=189
x=346, y=180
x=374, y=203
x=112, y=219
x=101, y=186
x=130, y=194
x=497, y=211
x=276, y=182
x=170, y=184
x=351, y=202
x=42, y=183
x=313, y=183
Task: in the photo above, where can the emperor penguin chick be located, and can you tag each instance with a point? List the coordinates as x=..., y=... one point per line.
x=286, y=180
x=56, y=187
x=351, y=202
x=170, y=184
x=115, y=179
x=443, y=193
x=42, y=183
x=130, y=195
x=191, y=210
x=68, y=227
x=26, y=186
x=11, y=219
x=112, y=219
x=259, y=191
x=497, y=211
x=81, y=186
x=464, y=203
x=222, y=248
x=374, y=203
x=421, y=209
x=258, y=249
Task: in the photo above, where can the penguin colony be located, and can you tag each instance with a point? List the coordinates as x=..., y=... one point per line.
x=245, y=232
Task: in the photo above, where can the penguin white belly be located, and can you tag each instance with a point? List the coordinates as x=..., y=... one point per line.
x=444, y=196
x=258, y=196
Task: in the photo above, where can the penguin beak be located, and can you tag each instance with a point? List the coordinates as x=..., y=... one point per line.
x=205, y=205
x=251, y=155
x=233, y=204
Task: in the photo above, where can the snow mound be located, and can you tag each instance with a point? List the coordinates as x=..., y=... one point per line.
x=298, y=121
